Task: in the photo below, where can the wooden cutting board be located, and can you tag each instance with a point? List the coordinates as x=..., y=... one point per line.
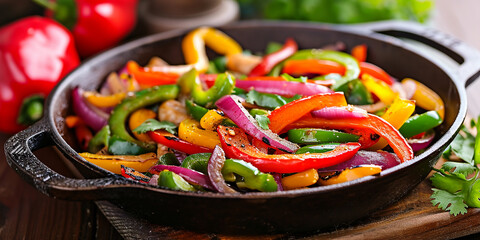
x=413, y=217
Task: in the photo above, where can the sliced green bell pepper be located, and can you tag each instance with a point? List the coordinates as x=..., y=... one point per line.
x=317, y=148
x=317, y=136
x=356, y=93
x=253, y=178
x=195, y=110
x=141, y=99
x=172, y=181
x=197, y=162
x=100, y=140
x=168, y=159
x=269, y=100
x=420, y=123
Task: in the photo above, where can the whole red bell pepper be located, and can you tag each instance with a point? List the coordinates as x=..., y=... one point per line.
x=269, y=61
x=236, y=145
x=35, y=54
x=96, y=24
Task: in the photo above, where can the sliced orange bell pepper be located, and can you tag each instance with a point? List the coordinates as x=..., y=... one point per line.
x=150, y=77
x=316, y=66
x=290, y=112
x=375, y=72
x=137, y=118
x=426, y=98
x=359, y=52
x=300, y=180
x=113, y=163
x=99, y=100
x=351, y=174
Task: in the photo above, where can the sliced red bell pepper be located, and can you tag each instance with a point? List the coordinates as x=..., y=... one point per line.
x=146, y=76
x=359, y=52
x=370, y=123
x=235, y=144
x=291, y=112
x=176, y=143
x=269, y=61
x=375, y=72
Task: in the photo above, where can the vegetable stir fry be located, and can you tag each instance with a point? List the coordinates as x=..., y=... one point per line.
x=289, y=119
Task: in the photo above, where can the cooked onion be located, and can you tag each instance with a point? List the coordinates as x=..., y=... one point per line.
x=340, y=112
x=189, y=175
x=214, y=168
x=383, y=159
x=284, y=88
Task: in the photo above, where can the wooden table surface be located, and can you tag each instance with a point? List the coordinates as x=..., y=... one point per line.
x=25, y=213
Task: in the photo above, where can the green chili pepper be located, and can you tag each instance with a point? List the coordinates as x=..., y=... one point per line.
x=144, y=98
x=356, y=93
x=253, y=178
x=317, y=148
x=120, y=146
x=168, y=159
x=420, y=123
x=195, y=110
x=197, y=162
x=316, y=136
x=172, y=181
x=224, y=85
x=100, y=140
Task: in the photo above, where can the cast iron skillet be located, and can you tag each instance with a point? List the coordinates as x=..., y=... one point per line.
x=292, y=211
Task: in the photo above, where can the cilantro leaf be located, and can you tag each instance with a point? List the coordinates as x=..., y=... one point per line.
x=463, y=145
x=263, y=121
x=448, y=202
x=462, y=170
x=289, y=78
x=152, y=125
x=449, y=183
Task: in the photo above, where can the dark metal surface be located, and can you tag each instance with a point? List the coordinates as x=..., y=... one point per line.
x=297, y=210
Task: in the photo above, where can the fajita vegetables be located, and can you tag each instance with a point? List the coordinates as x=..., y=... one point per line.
x=288, y=119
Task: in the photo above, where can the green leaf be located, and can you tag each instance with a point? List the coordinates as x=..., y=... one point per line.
x=289, y=78
x=448, y=202
x=152, y=125
x=268, y=100
x=463, y=145
x=452, y=184
x=473, y=196
x=462, y=170
x=263, y=121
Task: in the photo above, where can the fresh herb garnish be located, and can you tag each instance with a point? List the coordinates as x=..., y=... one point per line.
x=263, y=121
x=289, y=78
x=457, y=183
x=152, y=125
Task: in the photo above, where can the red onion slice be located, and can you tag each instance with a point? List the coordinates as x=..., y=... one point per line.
x=214, y=168
x=383, y=159
x=284, y=88
x=232, y=107
x=92, y=118
x=340, y=112
x=278, y=180
x=154, y=180
x=424, y=142
x=189, y=175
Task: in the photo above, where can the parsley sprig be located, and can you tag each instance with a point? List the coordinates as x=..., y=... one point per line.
x=456, y=183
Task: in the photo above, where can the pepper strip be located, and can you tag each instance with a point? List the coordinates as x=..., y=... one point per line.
x=359, y=52
x=351, y=174
x=172, y=141
x=149, y=76
x=300, y=180
x=270, y=60
x=193, y=46
x=104, y=100
x=113, y=163
x=397, y=114
x=236, y=145
x=370, y=123
x=143, y=98
x=291, y=112
x=379, y=88
x=375, y=72
x=189, y=130
x=426, y=98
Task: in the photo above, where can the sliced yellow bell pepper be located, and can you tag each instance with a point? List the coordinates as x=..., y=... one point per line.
x=190, y=131
x=211, y=119
x=137, y=118
x=113, y=163
x=426, y=98
x=104, y=100
x=381, y=89
x=396, y=115
x=193, y=46
x=352, y=174
x=300, y=180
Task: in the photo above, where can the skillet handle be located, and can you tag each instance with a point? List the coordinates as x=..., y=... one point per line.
x=467, y=57
x=19, y=154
